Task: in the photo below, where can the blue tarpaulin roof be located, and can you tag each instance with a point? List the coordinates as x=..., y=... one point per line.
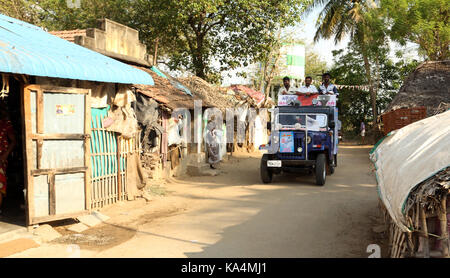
x=27, y=49
x=175, y=83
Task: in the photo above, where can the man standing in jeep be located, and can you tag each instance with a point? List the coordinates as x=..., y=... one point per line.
x=287, y=89
x=327, y=88
x=308, y=89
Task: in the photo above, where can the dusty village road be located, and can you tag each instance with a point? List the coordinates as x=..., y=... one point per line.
x=235, y=215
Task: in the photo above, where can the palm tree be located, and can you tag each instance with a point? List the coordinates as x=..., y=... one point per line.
x=339, y=18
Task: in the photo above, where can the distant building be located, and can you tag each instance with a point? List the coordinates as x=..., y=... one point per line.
x=294, y=55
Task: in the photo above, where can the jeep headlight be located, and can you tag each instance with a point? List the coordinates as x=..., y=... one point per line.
x=308, y=140
x=299, y=149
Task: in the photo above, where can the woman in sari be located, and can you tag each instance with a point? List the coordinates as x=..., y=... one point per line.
x=7, y=144
x=212, y=144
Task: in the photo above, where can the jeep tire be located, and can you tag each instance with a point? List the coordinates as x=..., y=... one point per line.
x=266, y=174
x=321, y=171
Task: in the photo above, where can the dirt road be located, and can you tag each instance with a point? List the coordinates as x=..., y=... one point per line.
x=235, y=215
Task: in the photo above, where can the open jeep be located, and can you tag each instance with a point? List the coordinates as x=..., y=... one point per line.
x=303, y=138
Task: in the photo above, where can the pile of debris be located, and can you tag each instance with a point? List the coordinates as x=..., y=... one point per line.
x=246, y=94
x=426, y=86
x=150, y=162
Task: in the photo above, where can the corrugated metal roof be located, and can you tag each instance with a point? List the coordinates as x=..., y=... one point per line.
x=27, y=49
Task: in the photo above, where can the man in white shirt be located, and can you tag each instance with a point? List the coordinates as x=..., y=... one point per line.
x=308, y=89
x=287, y=89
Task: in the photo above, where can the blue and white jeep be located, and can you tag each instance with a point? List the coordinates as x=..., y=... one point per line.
x=302, y=138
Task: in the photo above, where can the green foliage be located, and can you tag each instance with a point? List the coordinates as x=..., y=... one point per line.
x=20, y=9
x=425, y=22
x=349, y=69
x=233, y=33
x=55, y=15
x=192, y=35
x=315, y=65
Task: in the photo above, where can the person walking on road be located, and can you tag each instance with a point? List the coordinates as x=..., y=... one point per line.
x=362, y=128
x=212, y=144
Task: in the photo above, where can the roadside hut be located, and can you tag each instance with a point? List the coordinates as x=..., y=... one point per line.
x=56, y=91
x=424, y=93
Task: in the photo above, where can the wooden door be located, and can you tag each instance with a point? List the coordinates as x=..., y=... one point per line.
x=57, y=153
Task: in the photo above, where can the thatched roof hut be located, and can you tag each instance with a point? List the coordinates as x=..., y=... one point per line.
x=211, y=95
x=165, y=93
x=427, y=85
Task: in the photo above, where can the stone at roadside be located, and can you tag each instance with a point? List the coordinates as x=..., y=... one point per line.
x=78, y=228
x=89, y=220
x=46, y=233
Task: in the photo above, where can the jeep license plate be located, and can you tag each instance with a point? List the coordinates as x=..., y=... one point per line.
x=273, y=163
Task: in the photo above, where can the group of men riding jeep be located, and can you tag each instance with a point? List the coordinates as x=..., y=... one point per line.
x=327, y=88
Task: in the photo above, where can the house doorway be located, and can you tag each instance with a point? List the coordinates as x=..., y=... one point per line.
x=13, y=209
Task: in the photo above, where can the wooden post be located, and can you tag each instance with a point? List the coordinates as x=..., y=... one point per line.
x=40, y=126
x=87, y=151
x=52, y=193
x=444, y=227
x=119, y=173
x=27, y=153
x=426, y=242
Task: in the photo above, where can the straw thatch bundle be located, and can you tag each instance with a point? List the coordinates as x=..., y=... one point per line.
x=211, y=95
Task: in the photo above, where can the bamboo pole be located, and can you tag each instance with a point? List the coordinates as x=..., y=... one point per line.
x=426, y=242
x=444, y=227
x=95, y=159
x=108, y=180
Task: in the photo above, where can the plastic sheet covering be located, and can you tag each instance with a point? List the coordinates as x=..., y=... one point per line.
x=173, y=131
x=407, y=157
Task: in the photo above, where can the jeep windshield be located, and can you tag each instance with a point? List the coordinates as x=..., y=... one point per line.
x=301, y=121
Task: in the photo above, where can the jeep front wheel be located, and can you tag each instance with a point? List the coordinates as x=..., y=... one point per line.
x=266, y=174
x=321, y=171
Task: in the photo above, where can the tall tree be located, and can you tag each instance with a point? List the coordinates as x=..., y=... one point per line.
x=349, y=69
x=425, y=22
x=314, y=64
x=201, y=36
x=339, y=18
x=215, y=35
x=20, y=9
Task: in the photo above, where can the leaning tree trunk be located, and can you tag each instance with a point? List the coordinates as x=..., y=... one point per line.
x=373, y=93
